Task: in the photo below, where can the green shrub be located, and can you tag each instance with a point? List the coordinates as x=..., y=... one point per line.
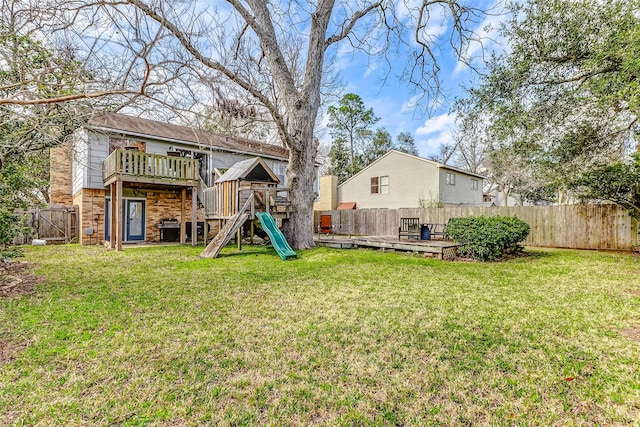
x=486, y=238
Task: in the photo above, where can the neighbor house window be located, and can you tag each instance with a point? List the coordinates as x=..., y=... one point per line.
x=451, y=179
x=375, y=185
x=379, y=185
x=474, y=184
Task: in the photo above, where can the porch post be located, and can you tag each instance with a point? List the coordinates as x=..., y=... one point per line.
x=183, y=216
x=194, y=216
x=119, y=219
x=112, y=217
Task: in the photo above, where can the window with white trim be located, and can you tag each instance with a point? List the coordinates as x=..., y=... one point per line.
x=451, y=178
x=380, y=185
x=474, y=184
x=384, y=185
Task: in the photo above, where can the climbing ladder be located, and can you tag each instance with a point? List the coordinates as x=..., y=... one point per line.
x=228, y=230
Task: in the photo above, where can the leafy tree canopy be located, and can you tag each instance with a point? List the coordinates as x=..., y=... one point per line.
x=618, y=182
x=565, y=96
x=28, y=71
x=31, y=71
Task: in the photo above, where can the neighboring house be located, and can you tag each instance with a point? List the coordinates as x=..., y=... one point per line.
x=157, y=172
x=400, y=180
x=513, y=199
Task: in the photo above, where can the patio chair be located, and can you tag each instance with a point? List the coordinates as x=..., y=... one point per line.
x=325, y=226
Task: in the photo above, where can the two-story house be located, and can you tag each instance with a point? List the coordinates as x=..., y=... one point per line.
x=146, y=179
x=400, y=180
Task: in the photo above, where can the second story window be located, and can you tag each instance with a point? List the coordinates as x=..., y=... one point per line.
x=375, y=185
x=384, y=185
x=474, y=184
x=451, y=178
x=379, y=185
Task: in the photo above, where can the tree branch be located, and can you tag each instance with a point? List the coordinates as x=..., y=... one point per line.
x=208, y=62
x=66, y=98
x=346, y=30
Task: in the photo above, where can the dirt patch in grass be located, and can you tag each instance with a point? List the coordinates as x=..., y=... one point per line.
x=16, y=278
x=8, y=349
x=632, y=333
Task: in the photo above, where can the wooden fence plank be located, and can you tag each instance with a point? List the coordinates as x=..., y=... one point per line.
x=565, y=226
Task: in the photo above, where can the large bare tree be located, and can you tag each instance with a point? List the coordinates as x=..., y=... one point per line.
x=273, y=52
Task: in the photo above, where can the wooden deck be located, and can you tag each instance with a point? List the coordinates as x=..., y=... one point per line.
x=439, y=249
x=144, y=168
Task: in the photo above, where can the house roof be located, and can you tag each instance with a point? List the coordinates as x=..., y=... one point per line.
x=251, y=169
x=438, y=165
x=145, y=128
x=476, y=205
x=346, y=206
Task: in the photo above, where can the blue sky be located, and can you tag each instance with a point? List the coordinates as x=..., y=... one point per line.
x=392, y=102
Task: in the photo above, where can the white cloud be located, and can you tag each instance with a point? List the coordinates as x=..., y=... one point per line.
x=343, y=57
x=411, y=104
x=442, y=123
x=431, y=145
x=435, y=132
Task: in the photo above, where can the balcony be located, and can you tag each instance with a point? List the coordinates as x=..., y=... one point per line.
x=134, y=166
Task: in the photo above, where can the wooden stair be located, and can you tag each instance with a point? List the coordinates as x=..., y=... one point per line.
x=228, y=230
x=224, y=235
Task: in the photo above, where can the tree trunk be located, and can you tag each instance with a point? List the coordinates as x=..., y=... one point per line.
x=301, y=175
x=505, y=197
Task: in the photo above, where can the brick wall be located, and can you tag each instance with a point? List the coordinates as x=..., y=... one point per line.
x=60, y=175
x=90, y=204
x=159, y=205
x=163, y=205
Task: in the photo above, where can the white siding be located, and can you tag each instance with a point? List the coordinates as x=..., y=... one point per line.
x=154, y=147
x=80, y=162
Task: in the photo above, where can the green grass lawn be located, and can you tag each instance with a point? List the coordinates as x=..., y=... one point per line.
x=156, y=336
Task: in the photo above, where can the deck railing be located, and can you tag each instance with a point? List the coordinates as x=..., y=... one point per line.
x=209, y=198
x=221, y=204
x=153, y=166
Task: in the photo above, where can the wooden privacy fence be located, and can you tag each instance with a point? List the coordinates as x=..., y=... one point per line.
x=566, y=226
x=55, y=223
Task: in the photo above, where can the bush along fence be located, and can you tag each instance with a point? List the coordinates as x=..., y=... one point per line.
x=488, y=237
x=566, y=226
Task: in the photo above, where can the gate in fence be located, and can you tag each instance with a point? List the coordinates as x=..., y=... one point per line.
x=56, y=223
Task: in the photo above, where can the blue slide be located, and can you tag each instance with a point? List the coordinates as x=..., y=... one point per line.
x=277, y=238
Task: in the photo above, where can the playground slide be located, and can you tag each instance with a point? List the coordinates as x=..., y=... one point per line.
x=277, y=238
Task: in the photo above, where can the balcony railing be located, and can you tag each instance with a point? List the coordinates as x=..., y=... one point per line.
x=152, y=168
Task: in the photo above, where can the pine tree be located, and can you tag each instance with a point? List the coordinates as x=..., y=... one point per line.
x=339, y=163
x=349, y=123
x=406, y=143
